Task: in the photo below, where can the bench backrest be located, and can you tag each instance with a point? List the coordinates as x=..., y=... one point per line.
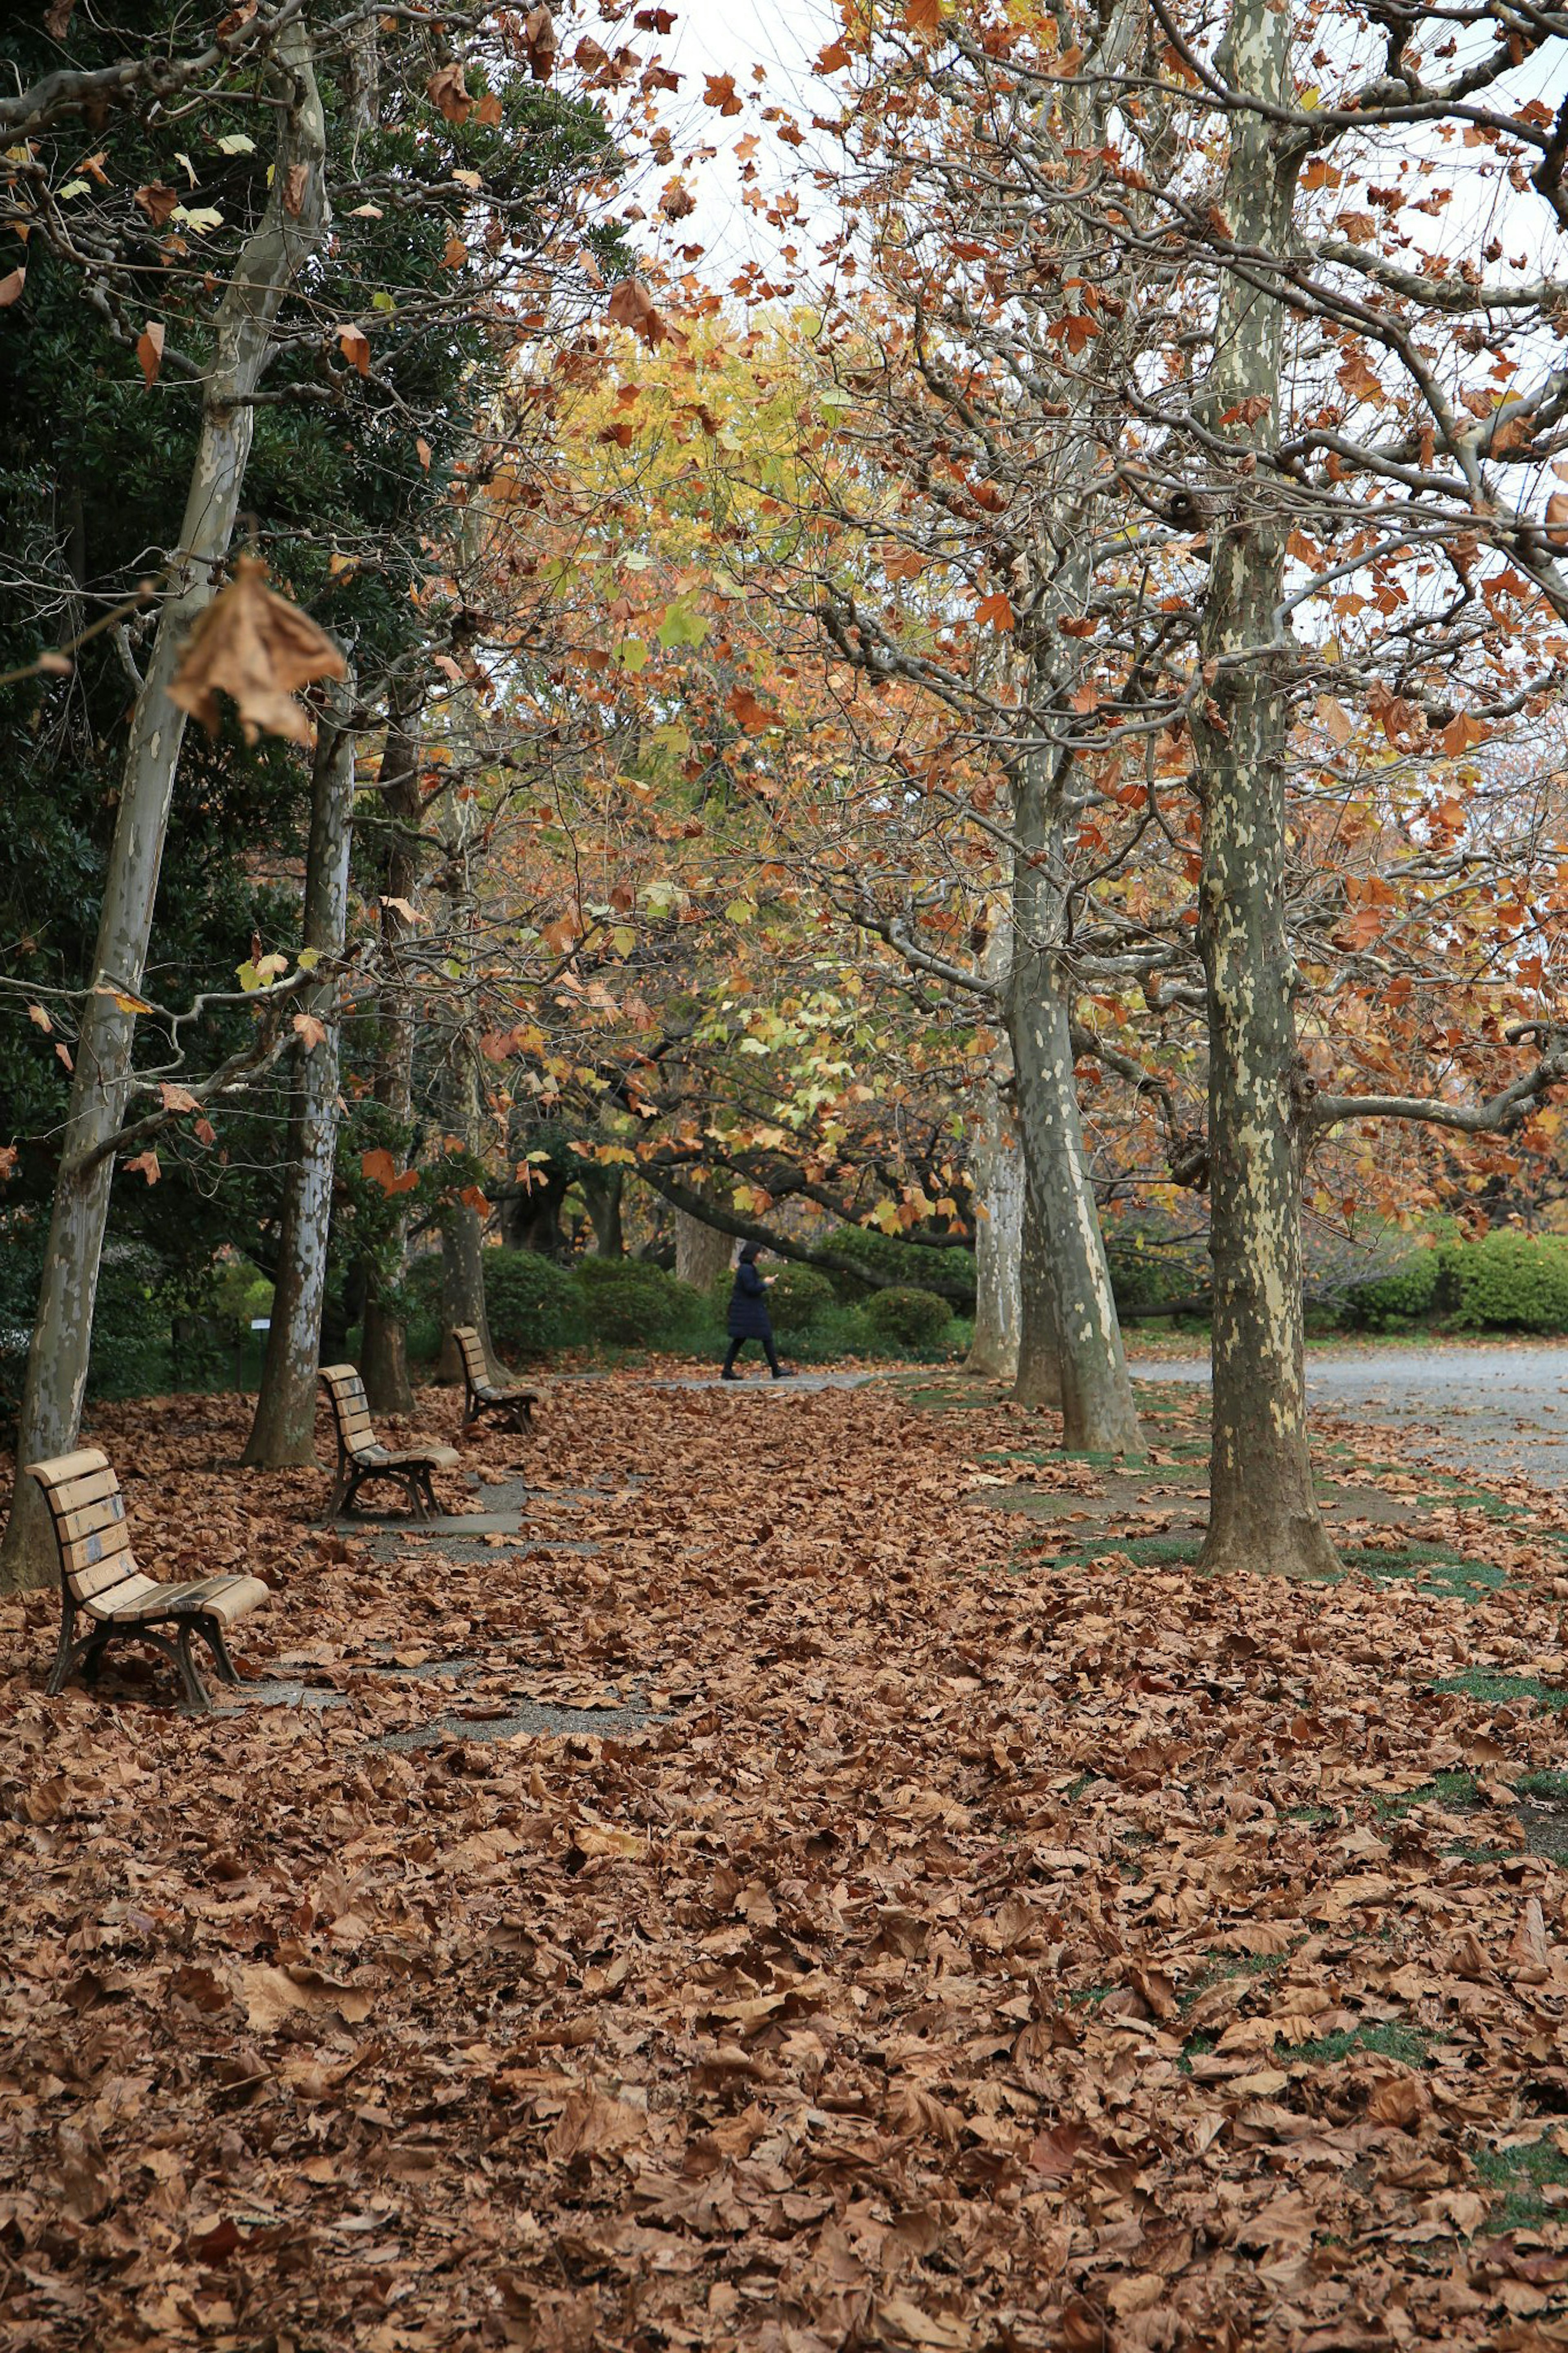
x=346, y=1390
x=97, y=1564
x=473, y=1348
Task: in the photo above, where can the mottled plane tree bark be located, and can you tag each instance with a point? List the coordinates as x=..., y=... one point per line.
x=270, y=263
x=283, y=1430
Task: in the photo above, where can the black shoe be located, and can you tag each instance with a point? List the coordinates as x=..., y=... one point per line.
x=729, y=1376
x=784, y=1373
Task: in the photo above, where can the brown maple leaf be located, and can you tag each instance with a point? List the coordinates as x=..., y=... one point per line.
x=259, y=649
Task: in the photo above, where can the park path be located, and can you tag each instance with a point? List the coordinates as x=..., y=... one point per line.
x=1489, y=1410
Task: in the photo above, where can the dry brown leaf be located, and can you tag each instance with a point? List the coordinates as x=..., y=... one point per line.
x=258, y=648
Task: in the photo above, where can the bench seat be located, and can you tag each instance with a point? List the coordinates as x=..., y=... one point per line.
x=100, y=1582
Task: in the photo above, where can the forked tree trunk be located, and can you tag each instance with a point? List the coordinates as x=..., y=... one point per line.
x=998, y=1245
x=383, y=1350
x=1098, y=1413
x=284, y=1427
x=270, y=260
x=1262, y=1510
x=1038, y=1379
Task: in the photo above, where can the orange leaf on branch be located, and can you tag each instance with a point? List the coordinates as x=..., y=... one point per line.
x=149, y=350
x=719, y=89
x=258, y=648
x=631, y=305
x=446, y=90
x=539, y=48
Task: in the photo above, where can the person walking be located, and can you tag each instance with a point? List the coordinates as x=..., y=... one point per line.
x=749, y=1318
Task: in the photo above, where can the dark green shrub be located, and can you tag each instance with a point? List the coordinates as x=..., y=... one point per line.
x=1150, y=1274
x=533, y=1305
x=800, y=1297
x=910, y=1319
x=908, y=1265
x=130, y=1329
x=836, y=1334
x=631, y=1304
x=1403, y=1296
x=1505, y=1283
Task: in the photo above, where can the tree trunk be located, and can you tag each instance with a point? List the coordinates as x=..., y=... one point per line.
x=702, y=1253
x=1098, y=1413
x=462, y=1228
x=1262, y=1510
x=998, y=1246
x=284, y=1427
x=271, y=259
x=1038, y=1379
x=384, y=1353
x=604, y=1191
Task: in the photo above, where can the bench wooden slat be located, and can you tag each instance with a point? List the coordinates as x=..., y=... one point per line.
x=90, y=1518
x=92, y=1552
x=73, y=1495
x=66, y=1467
x=95, y=1587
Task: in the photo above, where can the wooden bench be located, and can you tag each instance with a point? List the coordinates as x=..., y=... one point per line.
x=513, y=1409
x=361, y=1455
x=100, y=1582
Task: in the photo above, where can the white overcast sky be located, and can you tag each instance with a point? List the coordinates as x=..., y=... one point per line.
x=732, y=36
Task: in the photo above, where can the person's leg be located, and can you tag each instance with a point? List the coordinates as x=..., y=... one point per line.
x=729, y=1373
x=772, y=1353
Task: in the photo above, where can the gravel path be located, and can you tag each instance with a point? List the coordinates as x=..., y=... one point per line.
x=1488, y=1409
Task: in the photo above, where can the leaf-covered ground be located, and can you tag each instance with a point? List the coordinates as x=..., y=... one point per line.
x=967, y=1928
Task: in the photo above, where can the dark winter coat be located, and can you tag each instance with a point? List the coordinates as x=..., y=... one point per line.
x=749, y=1305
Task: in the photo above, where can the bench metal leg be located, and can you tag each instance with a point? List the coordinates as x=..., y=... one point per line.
x=211, y=1633
x=196, y=1690
x=64, y=1655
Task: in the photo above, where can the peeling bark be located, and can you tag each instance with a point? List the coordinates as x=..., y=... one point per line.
x=1038, y=1379
x=462, y=1228
x=1262, y=1510
x=271, y=259
x=384, y=1354
x=998, y=1244
x=284, y=1429
x=1099, y=1416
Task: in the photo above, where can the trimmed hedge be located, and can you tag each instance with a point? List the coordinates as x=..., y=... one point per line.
x=533, y=1304
x=907, y=1263
x=1405, y=1295
x=912, y=1319
x=629, y=1302
x=1504, y=1282
x=801, y=1296
x=1507, y=1282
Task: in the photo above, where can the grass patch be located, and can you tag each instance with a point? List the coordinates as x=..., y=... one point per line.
x=1432, y=1568
x=1144, y=1552
x=1450, y=1789
x=1476, y=1683
x=1522, y=2174
x=1389, y=2040
x=1552, y=1786
x=939, y=1400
